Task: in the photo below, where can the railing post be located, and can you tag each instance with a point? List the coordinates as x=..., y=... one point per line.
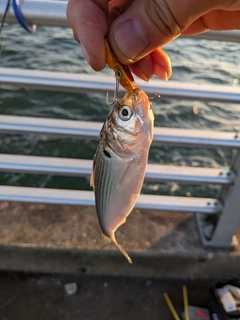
x=220, y=233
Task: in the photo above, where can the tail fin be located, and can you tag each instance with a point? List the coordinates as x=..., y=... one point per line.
x=121, y=249
x=106, y=241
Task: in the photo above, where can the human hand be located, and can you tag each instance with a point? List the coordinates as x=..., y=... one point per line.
x=137, y=29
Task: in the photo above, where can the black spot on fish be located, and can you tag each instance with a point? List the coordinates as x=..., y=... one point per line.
x=107, y=154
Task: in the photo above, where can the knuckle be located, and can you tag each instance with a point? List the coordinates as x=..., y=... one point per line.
x=163, y=16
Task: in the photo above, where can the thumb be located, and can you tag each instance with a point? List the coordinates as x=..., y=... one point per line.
x=147, y=25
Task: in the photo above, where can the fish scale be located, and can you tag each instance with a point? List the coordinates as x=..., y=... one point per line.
x=104, y=190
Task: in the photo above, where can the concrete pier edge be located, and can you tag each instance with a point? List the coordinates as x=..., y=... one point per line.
x=62, y=239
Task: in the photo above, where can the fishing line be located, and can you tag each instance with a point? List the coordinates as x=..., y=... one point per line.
x=2, y=24
x=4, y=17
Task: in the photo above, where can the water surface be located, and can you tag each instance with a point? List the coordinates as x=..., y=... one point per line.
x=54, y=49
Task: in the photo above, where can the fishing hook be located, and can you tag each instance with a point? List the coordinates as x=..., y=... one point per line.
x=118, y=76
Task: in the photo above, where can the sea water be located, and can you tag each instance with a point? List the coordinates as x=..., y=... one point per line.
x=54, y=49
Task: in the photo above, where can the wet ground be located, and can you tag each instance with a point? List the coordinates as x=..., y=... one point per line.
x=43, y=297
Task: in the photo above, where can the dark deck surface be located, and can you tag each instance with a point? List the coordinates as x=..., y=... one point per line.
x=43, y=297
x=43, y=247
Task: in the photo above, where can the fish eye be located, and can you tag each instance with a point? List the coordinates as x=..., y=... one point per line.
x=125, y=113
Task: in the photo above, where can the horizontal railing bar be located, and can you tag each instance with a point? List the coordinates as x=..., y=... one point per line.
x=66, y=82
x=41, y=13
x=53, y=13
x=229, y=36
x=83, y=168
x=90, y=130
x=192, y=175
x=86, y=198
x=196, y=138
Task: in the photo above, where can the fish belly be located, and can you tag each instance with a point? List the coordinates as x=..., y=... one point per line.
x=118, y=184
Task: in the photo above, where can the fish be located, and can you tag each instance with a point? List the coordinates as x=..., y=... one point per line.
x=120, y=162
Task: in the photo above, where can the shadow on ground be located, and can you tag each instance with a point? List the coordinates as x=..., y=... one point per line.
x=43, y=297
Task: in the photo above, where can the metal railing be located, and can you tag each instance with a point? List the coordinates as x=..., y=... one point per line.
x=60, y=81
x=217, y=218
x=53, y=13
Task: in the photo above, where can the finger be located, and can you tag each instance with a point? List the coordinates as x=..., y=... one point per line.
x=147, y=25
x=162, y=66
x=157, y=63
x=215, y=20
x=116, y=8
x=143, y=68
x=222, y=20
x=88, y=19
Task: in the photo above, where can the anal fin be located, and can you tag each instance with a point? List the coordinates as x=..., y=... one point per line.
x=105, y=241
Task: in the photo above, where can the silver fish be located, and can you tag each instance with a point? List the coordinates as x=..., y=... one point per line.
x=120, y=161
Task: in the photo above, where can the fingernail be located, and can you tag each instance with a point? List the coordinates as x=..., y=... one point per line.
x=136, y=69
x=85, y=53
x=131, y=38
x=160, y=71
x=143, y=77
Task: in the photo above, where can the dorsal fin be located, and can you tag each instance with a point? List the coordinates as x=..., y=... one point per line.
x=92, y=178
